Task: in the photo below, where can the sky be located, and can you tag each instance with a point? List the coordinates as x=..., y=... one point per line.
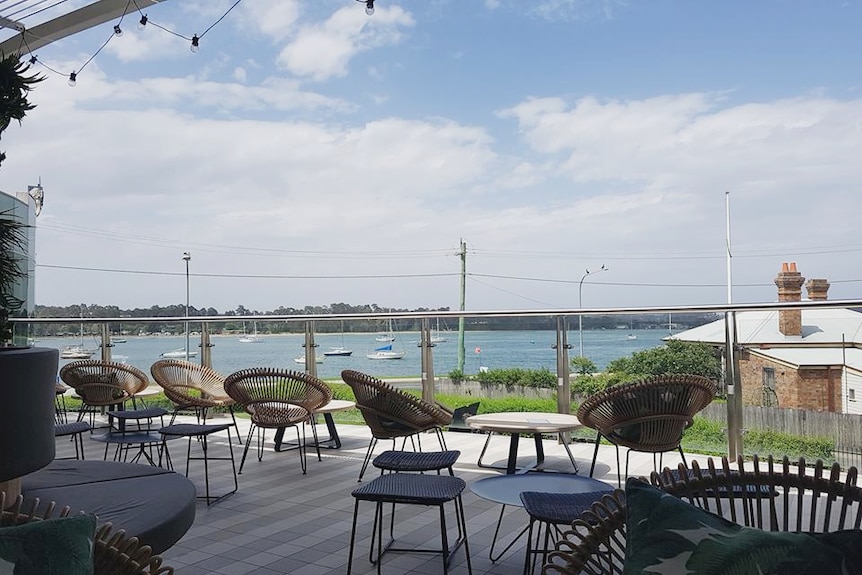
x=310, y=154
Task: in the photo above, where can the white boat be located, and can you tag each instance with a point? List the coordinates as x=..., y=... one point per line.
x=386, y=352
x=253, y=338
x=436, y=335
x=301, y=359
x=75, y=352
x=340, y=351
x=178, y=353
x=631, y=336
x=117, y=340
x=385, y=337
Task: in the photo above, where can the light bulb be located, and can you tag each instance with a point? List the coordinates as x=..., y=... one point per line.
x=73, y=79
x=117, y=30
x=369, y=7
x=195, y=44
x=33, y=59
x=143, y=23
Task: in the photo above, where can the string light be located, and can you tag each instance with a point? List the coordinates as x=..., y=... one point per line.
x=142, y=24
x=33, y=59
x=117, y=30
x=195, y=44
x=73, y=79
x=369, y=6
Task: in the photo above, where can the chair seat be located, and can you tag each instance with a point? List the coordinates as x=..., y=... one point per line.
x=147, y=413
x=416, y=460
x=558, y=508
x=409, y=488
x=63, y=429
x=193, y=429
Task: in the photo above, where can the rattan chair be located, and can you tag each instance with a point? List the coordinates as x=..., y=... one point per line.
x=102, y=383
x=770, y=495
x=277, y=399
x=192, y=386
x=391, y=414
x=113, y=552
x=649, y=415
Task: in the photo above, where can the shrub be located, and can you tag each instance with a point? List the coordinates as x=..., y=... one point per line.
x=510, y=377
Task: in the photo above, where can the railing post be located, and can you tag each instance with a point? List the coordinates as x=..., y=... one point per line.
x=733, y=384
x=106, y=344
x=427, y=356
x=309, y=345
x=206, y=346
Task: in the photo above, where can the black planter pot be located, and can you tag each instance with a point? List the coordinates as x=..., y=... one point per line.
x=27, y=390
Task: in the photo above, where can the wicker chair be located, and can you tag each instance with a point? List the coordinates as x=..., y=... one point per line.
x=102, y=383
x=770, y=495
x=393, y=414
x=192, y=386
x=277, y=399
x=113, y=552
x=648, y=415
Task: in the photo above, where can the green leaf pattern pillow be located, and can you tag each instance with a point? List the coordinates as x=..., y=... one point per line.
x=60, y=546
x=667, y=535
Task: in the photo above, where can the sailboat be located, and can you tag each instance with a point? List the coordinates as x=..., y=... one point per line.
x=301, y=359
x=631, y=335
x=339, y=351
x=386, y=336
x=253, y=338
x=386, y=352
x=179, y=353
x=77, y=351
x=436, y=337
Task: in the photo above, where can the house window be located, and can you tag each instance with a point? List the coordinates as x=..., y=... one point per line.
x=851, y=394
x=769, y=377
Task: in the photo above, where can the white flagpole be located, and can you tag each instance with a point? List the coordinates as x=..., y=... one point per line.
x=727, y=241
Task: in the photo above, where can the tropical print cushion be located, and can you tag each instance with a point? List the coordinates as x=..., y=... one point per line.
x=667, y=535
x=61, y=546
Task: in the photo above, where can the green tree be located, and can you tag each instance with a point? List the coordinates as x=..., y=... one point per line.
x=674, y=357
x=582, y=365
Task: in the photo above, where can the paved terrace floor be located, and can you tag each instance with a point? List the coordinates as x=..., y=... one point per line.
x=281, y=521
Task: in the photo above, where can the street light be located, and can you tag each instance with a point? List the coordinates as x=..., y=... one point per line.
x=187, y=256
x=580, y=306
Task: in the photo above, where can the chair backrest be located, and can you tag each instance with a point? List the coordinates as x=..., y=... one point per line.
x=770, y=495
x=389, y=412
x=264, y=385
x=103, y=382
x=648, y=415
x=113, y=552
x=190, y=384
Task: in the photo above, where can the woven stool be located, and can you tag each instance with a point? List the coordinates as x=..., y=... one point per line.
x=193, y=430
x=416, y=461
x=552, y=510
x=412, y=489
x=76, y=429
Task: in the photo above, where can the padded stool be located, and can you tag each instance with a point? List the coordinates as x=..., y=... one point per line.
x=416, y=461
x=76, y=429
x=551, y=510
x=124, y=438
x=192, y=430
x=412, y=489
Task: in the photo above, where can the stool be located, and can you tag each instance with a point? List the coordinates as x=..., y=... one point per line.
x=192, y=430
x=76, y=429
x=412, y=489
x=552, y=509
x=416, y=461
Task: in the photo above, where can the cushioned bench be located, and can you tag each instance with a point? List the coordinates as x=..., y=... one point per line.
x=151, y=503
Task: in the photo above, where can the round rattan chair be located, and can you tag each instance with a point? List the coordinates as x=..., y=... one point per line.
x=277, y=399
x=391, y=414
x=113, y=552
x=102, y=383
x=192, y=386
x=649, y=415
x=769, y=495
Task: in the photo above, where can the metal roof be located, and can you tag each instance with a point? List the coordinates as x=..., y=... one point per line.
x=27, y=25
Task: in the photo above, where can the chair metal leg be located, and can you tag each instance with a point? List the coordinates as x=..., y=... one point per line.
x=367, y=459
x=247, y=445
x=596, y=454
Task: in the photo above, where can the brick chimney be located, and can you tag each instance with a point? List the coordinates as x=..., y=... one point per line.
x=817, y=289
x=789, y=283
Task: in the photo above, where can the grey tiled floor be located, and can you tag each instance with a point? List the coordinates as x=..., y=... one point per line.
x=281, y=521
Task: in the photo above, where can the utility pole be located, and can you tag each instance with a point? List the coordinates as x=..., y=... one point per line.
x=462, y=308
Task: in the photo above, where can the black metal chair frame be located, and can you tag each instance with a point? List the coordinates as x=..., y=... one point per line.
x=199, y=432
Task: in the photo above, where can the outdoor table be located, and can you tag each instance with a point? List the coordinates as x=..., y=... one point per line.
x=333, y=442
x=517, y=423
x=506, y=489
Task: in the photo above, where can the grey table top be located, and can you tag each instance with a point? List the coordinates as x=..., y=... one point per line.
x=506, y=489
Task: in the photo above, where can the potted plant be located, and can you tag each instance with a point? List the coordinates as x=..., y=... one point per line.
x=27, y=375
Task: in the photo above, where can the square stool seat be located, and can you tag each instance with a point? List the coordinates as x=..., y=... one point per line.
x=201, y=431
x=412, y=489
x=416, y=460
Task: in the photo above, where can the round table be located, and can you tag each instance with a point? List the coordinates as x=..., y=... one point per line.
x=333, y=442
x=507, y=489
x=517, y=423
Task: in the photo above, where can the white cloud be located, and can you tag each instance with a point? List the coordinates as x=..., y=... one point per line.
x=324, y=50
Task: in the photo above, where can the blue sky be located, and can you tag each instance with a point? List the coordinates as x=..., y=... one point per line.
x=310, y=154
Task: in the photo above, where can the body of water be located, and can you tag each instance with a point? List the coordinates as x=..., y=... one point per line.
x=491, y=349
